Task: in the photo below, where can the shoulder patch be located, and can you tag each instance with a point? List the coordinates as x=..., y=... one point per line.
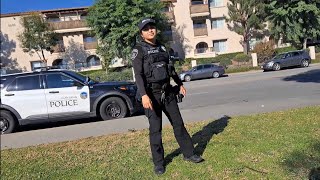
x=134, y=54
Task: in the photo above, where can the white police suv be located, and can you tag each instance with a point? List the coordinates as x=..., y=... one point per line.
x=53, y=95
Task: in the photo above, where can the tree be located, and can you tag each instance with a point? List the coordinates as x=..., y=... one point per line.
x=245, y=17
x=74, y=54
x=115, y=25
x=36, y=36
x=8, y=64
x=295, y=20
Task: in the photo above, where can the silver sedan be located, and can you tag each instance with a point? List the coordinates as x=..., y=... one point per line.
x=202, y=71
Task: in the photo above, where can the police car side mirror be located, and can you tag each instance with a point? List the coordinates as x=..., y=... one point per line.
x=90, y=83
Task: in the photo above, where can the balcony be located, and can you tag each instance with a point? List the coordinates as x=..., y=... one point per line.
x=204, y=52
x=170, y=16
x=197, y=10
x=203, y=31
x=58, y=48
x=90, y=45
x=68, y=24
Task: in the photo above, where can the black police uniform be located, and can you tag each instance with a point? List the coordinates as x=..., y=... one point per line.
x=150, y=63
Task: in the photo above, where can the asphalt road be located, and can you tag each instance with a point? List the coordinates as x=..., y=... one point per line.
x=236, y=94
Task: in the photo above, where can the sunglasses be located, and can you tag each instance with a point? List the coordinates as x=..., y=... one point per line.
x=148, y=27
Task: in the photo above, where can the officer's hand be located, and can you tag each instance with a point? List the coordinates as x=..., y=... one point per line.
x=183, y=90
x=146, y=102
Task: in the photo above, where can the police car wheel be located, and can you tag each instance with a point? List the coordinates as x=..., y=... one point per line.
x=113, y=108
x=7, y=122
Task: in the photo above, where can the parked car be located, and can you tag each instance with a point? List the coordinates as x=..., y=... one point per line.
x=51, y=95
x=288, y=59
x=202, y=71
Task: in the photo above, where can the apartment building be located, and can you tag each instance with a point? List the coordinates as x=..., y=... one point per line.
x=75, y=49
x=198, y=30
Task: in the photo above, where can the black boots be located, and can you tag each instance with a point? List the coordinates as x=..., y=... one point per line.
x=194, y=159
x=159, y=169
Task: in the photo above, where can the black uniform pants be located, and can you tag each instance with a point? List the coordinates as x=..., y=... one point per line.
x=171, y=109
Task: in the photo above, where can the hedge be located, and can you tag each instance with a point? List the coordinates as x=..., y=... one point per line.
x=242, y=58
x=223, y=59
x=317, y=48
x=285, y=49
x=124, y=75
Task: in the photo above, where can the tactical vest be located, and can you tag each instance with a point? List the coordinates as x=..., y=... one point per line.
x=155, y=63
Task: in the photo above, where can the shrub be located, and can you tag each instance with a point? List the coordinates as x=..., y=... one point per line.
x=242, y=58
x=264, y=51
x=124, y=75
x=223, y=59
x=241, y=69
x=285, y=49
x=317, y=60
x=317, y=48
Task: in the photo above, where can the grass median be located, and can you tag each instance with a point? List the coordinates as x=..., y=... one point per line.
x=278, y=145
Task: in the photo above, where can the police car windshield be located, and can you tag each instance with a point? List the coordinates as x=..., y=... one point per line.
x=78, y=76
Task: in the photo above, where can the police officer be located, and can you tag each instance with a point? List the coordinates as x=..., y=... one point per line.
x=152, y=73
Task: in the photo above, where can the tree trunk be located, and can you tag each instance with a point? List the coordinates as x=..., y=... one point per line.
x=305, y=43
x=44, y=59
x=245, y=45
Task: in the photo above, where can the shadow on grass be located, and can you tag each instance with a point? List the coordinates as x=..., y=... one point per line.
x=310, y=76
x=305, y=160
x=202, y=138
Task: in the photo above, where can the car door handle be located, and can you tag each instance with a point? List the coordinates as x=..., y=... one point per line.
x=53, y=92
x=9, y=94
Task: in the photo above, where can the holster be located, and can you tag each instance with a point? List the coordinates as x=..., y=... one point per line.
x=169, y=92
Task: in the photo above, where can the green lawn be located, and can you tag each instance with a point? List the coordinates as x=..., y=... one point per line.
x=279, y=145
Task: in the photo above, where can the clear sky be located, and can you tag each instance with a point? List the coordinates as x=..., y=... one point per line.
x=14, y=6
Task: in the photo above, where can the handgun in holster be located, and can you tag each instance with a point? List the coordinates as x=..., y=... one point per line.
x=165, y=93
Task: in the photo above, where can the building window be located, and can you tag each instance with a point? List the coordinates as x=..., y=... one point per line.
x=53, y=19
x=201, y=47
x=35, y=65
x=254, y=41
x=220, y=46
x=218, y=23
x=60, y=63
x=216, y=3
x=195, y=2
x=93, y=61
x=89, y=39
x=199, y=24
x=83, y=16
